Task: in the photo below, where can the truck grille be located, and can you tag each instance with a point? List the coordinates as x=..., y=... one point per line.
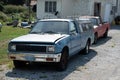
x=30, y=48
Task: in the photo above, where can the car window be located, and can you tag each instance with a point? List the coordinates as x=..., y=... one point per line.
x=94, y=21
x=72, y=28
x=90, y=26
x=80, y=26
x=84, y=27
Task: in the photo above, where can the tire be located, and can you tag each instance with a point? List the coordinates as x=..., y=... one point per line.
x=105, y=34
x=86, y=49
x=18, y=64
x=95, y=38
x=62, y=65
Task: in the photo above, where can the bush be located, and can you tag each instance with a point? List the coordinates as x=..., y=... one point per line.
x=3, y=17
x=9, y=9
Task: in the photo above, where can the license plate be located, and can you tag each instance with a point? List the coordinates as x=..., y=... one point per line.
x=40, y=59
x=30, y=58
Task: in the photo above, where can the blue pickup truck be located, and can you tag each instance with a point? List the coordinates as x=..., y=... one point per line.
x=52, y=40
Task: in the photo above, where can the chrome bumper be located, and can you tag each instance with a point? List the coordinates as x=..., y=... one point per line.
x=35, y=57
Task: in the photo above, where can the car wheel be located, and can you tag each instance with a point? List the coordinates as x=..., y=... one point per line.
x=62, y=65
x=105, y=34
x=87, y=48
x=95, y=38
x=18, y=64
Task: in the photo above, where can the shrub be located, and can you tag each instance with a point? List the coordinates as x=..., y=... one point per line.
x=9, y=9
x=3, y=17
x=21, y=9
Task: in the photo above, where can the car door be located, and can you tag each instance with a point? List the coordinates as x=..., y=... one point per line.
x=84, y=34
x=74, y=38
x=100, y=28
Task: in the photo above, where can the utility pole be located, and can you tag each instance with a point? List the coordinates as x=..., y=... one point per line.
x=29, y=10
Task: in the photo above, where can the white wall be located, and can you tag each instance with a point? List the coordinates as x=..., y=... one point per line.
x=82, y=7
x=65, y=8
x=76, y=7
x=41, y=8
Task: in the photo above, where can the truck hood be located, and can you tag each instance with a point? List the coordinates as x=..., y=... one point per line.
x=39, y=38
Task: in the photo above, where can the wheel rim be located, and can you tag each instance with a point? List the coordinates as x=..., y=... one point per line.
x=95, y=38
x=87, y=48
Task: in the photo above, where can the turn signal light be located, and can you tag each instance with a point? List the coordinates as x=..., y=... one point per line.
x=12, y=57
x=49, y=59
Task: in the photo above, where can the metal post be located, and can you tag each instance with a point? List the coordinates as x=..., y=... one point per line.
x=29, y=10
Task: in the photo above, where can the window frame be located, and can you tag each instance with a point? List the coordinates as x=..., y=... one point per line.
x=50, y=6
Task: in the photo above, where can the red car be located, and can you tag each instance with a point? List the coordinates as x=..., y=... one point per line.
x=100, y=28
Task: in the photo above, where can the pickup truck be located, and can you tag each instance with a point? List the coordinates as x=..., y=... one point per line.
x=100, y=28
x=52, y=41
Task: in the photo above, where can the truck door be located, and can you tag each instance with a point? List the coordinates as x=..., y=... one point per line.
x=74, y=37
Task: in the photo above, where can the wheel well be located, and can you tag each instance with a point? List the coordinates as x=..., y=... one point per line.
x=107, y=29
x=95, y=33
x=89, y=40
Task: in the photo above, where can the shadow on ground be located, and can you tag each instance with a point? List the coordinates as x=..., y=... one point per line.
x=48, y=72
x=101, y=41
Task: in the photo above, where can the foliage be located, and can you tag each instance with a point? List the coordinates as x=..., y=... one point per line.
x=6, y=35
x=10, y=9
x=14, y=2
x=3, y=17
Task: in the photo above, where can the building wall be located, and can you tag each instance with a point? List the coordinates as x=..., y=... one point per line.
x=64, y=7
x=82, y=7
x=77, y=7
x=41, y=8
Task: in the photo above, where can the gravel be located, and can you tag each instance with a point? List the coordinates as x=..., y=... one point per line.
x=103, y=63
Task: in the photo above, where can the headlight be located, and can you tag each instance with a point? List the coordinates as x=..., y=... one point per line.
x=13, y=47
x=51, y=49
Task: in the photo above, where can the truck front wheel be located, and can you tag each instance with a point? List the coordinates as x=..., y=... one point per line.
x=62, y=65
x=95, y=38
x=18, y=64
x=105, y=34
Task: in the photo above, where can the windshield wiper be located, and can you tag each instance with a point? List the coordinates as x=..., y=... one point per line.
x=51, y=32
x=35, y=32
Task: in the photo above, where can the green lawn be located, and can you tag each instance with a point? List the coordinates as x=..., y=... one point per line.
x=6, y=35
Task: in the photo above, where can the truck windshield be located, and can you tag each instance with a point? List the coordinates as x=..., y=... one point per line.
x=51, y=27
x=94, y=21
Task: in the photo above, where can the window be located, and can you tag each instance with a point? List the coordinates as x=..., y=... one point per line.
x=80, y=26
x=84, y=27
x=50, y=6
x=72, y=28
x=51, y=26
x=90, y=26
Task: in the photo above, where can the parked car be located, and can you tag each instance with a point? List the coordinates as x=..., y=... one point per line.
x=100, y=28
x=117, y=20
x=52, y=40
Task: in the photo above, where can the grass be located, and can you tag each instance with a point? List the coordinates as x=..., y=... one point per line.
x=6, y=35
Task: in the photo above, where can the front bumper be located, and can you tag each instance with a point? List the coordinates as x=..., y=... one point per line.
x=35, y=57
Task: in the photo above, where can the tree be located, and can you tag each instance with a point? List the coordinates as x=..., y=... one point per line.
x=13, y=2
